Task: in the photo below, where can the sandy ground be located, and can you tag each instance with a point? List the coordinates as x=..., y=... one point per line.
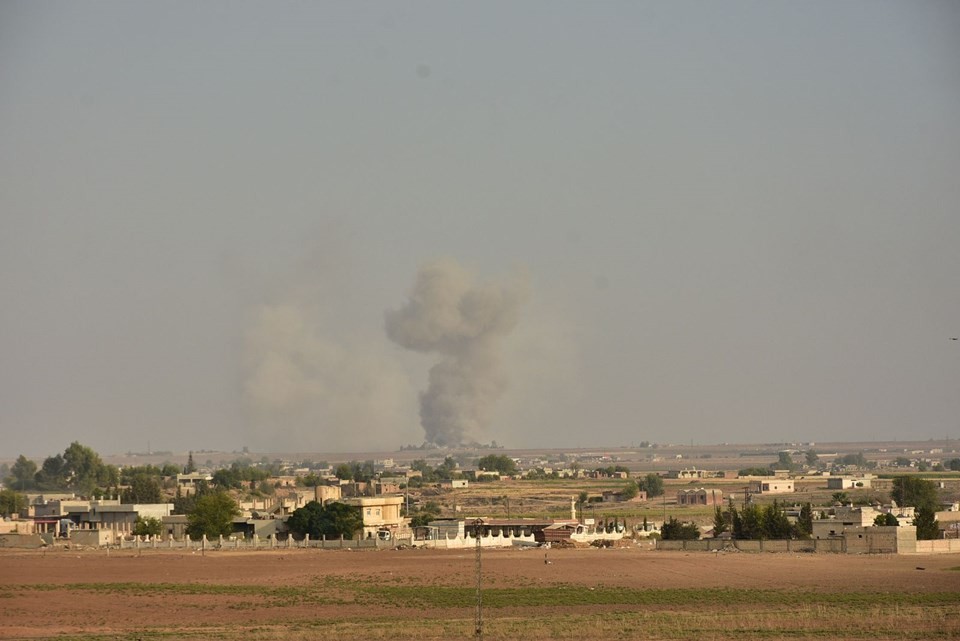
x=55, y=609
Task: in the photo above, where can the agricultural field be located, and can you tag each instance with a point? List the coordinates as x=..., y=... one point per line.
x=615, y=593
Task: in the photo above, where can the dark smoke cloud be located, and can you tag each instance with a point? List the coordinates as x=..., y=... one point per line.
x=463, y=322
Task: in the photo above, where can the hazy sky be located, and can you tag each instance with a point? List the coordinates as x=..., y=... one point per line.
x=736, y=221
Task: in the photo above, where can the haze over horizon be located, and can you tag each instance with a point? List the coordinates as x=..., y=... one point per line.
x=732, y=222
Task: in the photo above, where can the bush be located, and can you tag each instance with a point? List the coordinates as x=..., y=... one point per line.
x=212, y=515
x=148, y=526
x=674, y=530
x=331, y=521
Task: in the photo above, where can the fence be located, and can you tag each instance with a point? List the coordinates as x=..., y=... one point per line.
x=256, y=543
x=743, y=545
x=498, y=539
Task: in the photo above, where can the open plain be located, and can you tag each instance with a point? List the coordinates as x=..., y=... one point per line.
x=619, y=593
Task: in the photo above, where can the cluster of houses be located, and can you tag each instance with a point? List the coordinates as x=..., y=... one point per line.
x=107, y=521
x=380, y=502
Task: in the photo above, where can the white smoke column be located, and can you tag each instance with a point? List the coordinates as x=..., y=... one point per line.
x=465, y=323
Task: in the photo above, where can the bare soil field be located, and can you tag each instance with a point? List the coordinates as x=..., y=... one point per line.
x=618, y=593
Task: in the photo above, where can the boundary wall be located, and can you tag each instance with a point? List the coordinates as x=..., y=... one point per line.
x=744, y=545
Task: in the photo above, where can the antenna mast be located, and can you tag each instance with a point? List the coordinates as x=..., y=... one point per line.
x=478, y=621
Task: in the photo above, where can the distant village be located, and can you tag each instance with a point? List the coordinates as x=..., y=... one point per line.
x=903, y=501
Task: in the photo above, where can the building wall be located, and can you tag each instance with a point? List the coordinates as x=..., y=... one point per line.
x=324, y=493
x=700, y=497
x=848, y=482
x=21, y=541
x=772, y=486
x=92, y=538
x=379, y=512
x=943, y=546
x=16, y=526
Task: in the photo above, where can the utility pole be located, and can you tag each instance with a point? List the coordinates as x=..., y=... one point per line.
x=478, y=621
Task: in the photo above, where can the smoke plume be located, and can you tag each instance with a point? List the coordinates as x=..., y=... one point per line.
x=464, y=323
x=313, y=389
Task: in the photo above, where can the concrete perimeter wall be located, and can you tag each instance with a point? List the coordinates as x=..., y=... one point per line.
x=256, y=543
x=29, y=541
x=941, y=546
x=710, y=545
x=890, y=540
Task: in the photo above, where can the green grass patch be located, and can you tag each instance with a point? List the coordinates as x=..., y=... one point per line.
x=565, y=595
x=273, y=595
x=341, y=591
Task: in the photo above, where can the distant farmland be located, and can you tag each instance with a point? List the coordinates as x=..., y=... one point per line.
x=419, y=594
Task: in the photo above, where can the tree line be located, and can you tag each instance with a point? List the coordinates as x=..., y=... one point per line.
x=754, y=522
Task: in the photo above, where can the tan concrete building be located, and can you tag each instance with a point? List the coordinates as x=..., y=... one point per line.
x=849, y=482
x=379, y=513
x=700, y=496
x=772, y=486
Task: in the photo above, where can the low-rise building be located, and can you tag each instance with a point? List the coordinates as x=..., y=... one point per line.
x=612, y=496
x=379, y=513
x=187, y=483
x=849, y=482
x=700, y=496
x=772, y=486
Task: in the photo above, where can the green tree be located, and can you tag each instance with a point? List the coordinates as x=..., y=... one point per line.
x=855, y=460
x=776, y=525
x=752, y=524
x=185, y=504
x=812, y=458
x=840, y=497
x=886, y=519
x=148, y=526
x=23, y=474
x=143, y=489
x=720, y=524
x=306, y=520
x=11, y=502
x=755, y=471
x=925, y=520
x=674, y=530
x=191, y=466
x=804, y=527
x=79, y=468
x=344, y=472
x=311, y=479
x=630, y=491
x=736, y=523
x=498, y=463
x=652, y=484
x=582, y=499
x=447, y=470
x=784, y=462
x=422, y=515
x=212, y=516
x=52, y=474
x=328, y=521
x=916, y=492
x=84, y=471
x=169, y=470
x=227, y=478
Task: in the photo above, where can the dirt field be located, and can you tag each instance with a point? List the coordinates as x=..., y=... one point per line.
x=420, y=594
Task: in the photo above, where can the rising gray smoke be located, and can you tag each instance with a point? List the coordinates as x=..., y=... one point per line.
x=448, y=314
